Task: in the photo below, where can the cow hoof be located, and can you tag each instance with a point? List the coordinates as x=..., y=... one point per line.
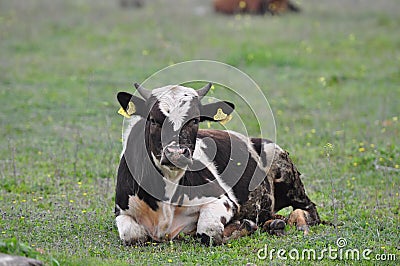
x=304, y=228
x=250, y=226
x=137, y=242
x=210, y=241
x=238, y=229
x=275, y=227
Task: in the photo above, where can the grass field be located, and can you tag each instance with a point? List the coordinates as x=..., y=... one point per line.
x=331, y=75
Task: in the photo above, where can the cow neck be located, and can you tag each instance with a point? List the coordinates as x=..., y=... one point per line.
x=172, y=175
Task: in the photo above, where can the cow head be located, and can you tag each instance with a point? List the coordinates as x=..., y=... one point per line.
x=172, y=115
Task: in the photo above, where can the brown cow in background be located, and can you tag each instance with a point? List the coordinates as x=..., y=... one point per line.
x=254, y=6
x=131, y=3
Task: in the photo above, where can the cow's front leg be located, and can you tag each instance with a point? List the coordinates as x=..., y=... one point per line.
x=212, y=220
x=129, y=230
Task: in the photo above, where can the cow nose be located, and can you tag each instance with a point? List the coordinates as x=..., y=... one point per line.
x=177, y=151
x=175, y=154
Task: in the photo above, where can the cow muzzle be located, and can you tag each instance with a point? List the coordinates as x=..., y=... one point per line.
x=178, y=156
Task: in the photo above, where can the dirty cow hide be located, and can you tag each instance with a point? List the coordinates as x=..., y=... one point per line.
x=254, y=6
x=175, y=178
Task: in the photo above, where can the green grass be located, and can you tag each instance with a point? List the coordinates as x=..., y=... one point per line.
x=331, y=75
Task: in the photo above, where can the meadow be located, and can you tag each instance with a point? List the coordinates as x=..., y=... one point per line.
x=330, y=73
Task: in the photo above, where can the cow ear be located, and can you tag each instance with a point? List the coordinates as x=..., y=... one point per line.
x=218, y=112
x=130, y=105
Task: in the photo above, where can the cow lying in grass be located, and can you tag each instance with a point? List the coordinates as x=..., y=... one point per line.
x=254, y=6
x=176, y=178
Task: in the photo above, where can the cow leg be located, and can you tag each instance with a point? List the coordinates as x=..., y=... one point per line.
x=212, y=219
x=289, y=190
x=301, y=219
x=129, y=230
x=275, y=227
x=237, y=229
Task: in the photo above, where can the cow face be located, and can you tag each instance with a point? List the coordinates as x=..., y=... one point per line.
x=173, y=114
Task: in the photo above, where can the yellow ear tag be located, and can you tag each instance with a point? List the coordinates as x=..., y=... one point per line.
x=226, y=120
x=131, y=108
x=122, y=112
x=220, y=115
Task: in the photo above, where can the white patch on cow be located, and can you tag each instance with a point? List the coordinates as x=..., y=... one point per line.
x=209, y=222
x=201, y=156
x=129, y=230
x=164, y=223
x=174, y=102
x=127, y=126
x=271, y=148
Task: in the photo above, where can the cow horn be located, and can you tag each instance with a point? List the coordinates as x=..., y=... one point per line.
x=203, y=91
x=144, y=92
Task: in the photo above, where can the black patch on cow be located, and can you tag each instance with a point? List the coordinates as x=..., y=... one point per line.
x=227, y=206
x=205, y=239
x=234, y=162
x=259, y=205
x=127, y=186
x=257, y=144
x=223, y=220
x=197, y=184
x=137, y=174
x=258, y=147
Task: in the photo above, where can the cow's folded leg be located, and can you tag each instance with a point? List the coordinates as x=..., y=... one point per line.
x=237, y=229
x=301, y=219
x=275, y=227
x=212, y=220
x=130, y=232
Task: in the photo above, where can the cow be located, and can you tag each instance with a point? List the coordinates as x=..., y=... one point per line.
x=254, y=6
x=131, y=3
x=175, y=179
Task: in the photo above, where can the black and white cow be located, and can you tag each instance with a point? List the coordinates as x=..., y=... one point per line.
x=176, y=178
